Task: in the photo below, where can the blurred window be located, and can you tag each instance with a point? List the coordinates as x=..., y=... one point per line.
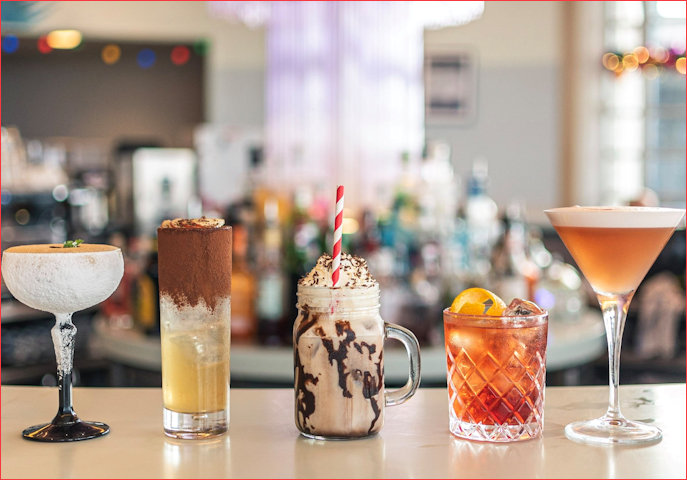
x=643, y=111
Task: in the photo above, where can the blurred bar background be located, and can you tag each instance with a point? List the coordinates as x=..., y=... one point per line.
x=451, y=124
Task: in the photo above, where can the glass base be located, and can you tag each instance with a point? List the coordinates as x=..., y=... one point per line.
x=66, y=432
x=321, y=437
x=194, y=426
x=494, y=433
x=612, y=431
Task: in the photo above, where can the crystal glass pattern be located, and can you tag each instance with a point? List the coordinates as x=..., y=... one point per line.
x=496, y=376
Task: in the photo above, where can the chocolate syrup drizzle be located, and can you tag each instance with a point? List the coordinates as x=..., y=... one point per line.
x=341, y=353
x=372, y=382
x=305, y=399
x=371, y=388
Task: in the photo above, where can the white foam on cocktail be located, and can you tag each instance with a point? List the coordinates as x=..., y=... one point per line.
x=62, y=282
x=615, y=217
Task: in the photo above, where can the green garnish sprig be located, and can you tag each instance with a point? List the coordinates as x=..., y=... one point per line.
x=72, y=243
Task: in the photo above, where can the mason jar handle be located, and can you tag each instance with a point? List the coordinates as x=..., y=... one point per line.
x=406, y=337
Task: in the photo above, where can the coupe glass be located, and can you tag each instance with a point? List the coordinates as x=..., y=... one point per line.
x=62, y=281
x=614, y=247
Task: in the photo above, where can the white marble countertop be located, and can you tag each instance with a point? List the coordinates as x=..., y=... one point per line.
x=264, y=443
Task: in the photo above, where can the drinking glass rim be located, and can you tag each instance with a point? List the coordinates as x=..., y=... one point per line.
x=341, y=291
x=614, y=209
x=59, y=249
x=496, y=321
x=615, y=217
x=193, y=228
x=321, y=299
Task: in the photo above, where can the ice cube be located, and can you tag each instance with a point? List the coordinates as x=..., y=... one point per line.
x=199, y=347
x=519, y=307
x=458, y=341
x=468, y=340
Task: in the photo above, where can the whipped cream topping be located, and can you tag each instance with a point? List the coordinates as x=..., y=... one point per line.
x=202, y=222
x=354, y=273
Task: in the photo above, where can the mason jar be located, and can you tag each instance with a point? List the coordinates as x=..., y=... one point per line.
x=338, y=341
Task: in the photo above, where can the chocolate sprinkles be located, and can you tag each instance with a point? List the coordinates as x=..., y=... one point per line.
x=354, y=273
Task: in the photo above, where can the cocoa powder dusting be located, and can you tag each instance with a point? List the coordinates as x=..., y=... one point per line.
x=195, y=264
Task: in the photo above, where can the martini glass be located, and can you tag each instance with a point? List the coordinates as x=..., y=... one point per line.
x=62, y=281
x=614, y=247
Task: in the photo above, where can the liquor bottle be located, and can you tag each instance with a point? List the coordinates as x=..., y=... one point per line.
x=437, y=192
x=243, y=289
x=304, y=242
x=514, y=273
x=481, y=216
x=146, y=306
x=270, y=302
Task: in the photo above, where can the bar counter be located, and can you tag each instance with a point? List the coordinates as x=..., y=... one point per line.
x=263, y=441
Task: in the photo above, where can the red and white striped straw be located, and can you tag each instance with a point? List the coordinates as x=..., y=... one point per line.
x=338, y=231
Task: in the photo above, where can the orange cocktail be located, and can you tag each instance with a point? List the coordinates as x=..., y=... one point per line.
x=614, y=247
x=614, y=260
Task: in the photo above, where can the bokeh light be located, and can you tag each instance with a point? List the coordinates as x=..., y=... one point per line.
x=200, y=47
x=630, y=62
x=650, y=71
x=146, y=58
x=649, y=62
x=42, y=45
x=60, y=193
x=661, y=55
x=10, y=44
x=180, y=55
x=22, y=216
x=64, y=39
x=642, y=54
x=610, y=61
x=111, y=54
x=349, y=225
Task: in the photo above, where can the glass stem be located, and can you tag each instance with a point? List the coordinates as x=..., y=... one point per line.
x=614, y=309
x=63, y=334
